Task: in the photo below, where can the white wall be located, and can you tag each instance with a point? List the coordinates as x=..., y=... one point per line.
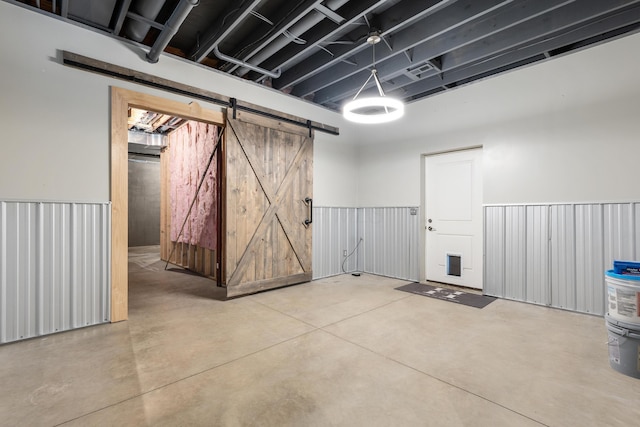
x=56, y=125
x=566, y=130
x=561, y=131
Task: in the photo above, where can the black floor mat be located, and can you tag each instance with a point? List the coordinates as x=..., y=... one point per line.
x=452, y=295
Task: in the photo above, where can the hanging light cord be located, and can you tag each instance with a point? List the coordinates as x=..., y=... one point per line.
x=393, y=108
x=374, y=75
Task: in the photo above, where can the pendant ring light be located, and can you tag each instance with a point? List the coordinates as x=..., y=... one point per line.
x=385, y=109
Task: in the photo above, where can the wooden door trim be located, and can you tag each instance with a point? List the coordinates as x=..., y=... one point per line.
x=121, y=100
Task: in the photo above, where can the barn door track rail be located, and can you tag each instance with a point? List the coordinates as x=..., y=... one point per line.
x=104, y=68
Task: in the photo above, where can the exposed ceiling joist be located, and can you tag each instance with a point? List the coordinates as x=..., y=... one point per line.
x=451, y=39
x=324, y=31
x=121, y=14
x=221, y=28
x=316, y=49
x=394, y=19
x=284, y=19
x=630, y=17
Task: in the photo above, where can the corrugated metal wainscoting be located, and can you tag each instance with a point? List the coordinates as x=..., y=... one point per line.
x=54, y=267
x=391, y=241
x=389, y=247
x=334, y=231
x=556, y=255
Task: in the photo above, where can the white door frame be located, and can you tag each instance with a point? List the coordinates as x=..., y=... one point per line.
x=423, y=204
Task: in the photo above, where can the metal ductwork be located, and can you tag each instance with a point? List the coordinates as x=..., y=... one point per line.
x=148, y=139
x=149, y=9
x=178, y=16
x=296, y=30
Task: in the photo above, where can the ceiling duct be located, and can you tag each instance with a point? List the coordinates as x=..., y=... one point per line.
x=149, y=9
x=296, y=30
x=147, y=139
x=174, y=22
x=92, y=13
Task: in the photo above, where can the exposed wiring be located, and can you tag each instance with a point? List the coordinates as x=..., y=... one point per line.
x=217, y=32
x=264, y=18
x=351, y=253
x=269, y=33
x=294, y=38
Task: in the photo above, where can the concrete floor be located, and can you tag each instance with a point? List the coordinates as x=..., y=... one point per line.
x=347, y=351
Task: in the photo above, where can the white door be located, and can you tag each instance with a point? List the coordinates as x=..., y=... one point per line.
x=453, y=218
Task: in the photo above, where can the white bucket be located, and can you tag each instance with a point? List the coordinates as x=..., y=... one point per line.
x=624, y=347
x=623, y=297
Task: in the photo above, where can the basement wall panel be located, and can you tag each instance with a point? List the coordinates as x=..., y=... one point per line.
x=54, y=267
x=590, y=266
x=494, y=250
x=537, y=255
x=515, y=253
x=391, y=241
x=559, y=252
x=563, y=256
x=334, y=232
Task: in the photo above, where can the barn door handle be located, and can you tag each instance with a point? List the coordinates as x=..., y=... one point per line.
x=309, y=202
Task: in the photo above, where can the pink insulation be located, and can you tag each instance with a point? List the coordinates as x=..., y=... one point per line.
x=190, y=147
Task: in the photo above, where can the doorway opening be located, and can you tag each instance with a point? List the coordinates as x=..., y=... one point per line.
x=174, y=211
x=123, y=102
x=145, y=144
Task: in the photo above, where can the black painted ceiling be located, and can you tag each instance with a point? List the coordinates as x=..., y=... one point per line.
x=317, y=50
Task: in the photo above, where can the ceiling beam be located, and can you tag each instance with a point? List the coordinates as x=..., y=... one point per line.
x=330, y=14
x=398, y=16
x=120, y=15
x=263, y=36
x=325, y=31
x=491, y=35
x=440, y=35
x=595, y=28
x=424, y=31
x=64, y=9
x=145, y=20
x=566, y=17
x=221, y=28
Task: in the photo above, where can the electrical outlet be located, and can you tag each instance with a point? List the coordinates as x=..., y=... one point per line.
x=344, y=253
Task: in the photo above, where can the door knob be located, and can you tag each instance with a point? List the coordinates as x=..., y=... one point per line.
x=431, y=228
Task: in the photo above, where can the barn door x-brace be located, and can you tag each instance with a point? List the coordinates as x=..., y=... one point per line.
x=269, y=201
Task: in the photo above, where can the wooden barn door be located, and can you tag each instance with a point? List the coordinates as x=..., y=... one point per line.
x=269, y=171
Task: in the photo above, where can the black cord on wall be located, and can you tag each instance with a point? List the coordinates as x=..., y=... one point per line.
x=351, y=253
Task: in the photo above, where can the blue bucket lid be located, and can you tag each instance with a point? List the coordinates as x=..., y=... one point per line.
x=632, y=277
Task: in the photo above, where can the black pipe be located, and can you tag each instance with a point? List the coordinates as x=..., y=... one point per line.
x=174, y=22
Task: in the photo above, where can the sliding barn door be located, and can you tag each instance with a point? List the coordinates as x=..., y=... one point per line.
x=269, y=170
